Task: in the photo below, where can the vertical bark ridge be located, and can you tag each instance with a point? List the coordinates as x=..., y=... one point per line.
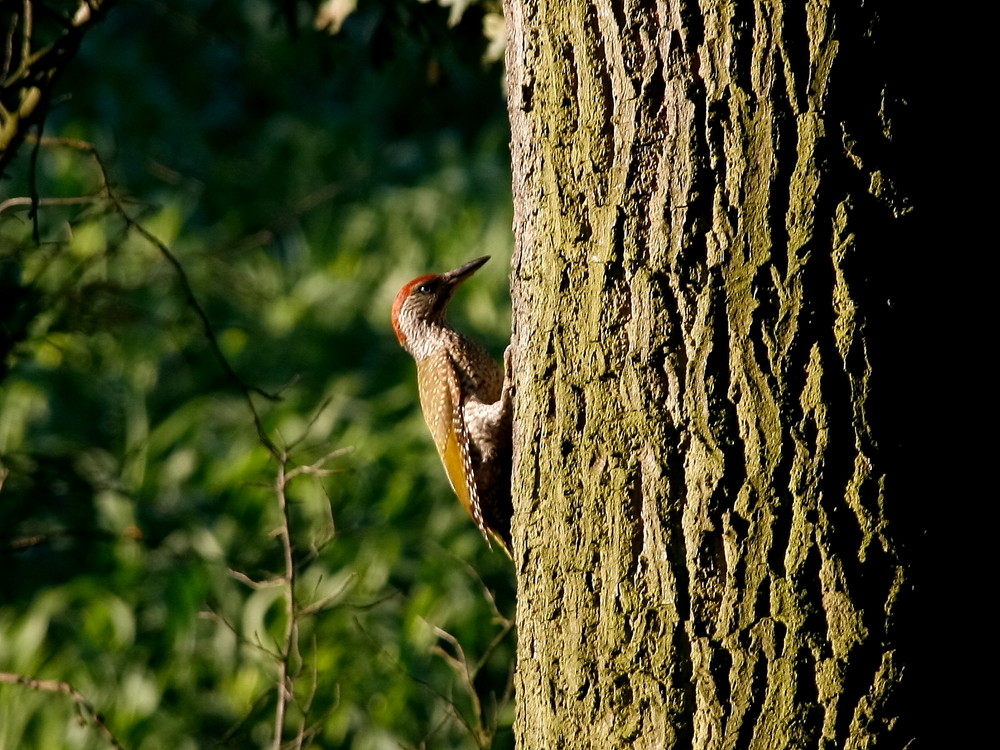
x=702, y=547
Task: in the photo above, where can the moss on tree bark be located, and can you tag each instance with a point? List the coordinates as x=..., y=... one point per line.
x=704, y=553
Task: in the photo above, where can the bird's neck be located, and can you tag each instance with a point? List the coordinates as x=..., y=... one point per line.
x=425, y=337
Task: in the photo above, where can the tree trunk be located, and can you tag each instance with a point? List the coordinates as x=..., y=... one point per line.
x=705, y=217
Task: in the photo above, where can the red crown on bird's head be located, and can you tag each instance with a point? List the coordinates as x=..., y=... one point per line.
x=438, y=289
x=397, y=305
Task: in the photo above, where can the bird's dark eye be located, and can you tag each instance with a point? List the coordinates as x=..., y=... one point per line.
x=424, y=288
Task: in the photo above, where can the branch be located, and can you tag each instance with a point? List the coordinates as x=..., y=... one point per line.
x=28, y=201
x=256, y=585
x=209, y=614
x=320, y=604
x=185, y=283
x=235, y=729
x=289, y=649
x=485, y=729
x=87, y=711
x=460, y=665
x=316, y=468
x=286, y=650
x=30, y=76
x=290, y=644
x=418, y=680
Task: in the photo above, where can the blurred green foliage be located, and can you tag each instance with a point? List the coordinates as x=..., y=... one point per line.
x=299, y=178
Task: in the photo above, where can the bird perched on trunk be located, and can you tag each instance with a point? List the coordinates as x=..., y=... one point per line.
x=465, y=397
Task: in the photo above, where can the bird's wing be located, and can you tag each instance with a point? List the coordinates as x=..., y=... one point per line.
x=441, y=394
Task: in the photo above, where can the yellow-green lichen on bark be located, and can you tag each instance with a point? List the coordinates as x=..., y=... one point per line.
x=698, y=486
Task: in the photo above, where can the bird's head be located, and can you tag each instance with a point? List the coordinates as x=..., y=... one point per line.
x=421, y=304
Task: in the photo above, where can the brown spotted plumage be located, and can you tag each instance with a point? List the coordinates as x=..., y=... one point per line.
x=465, y=396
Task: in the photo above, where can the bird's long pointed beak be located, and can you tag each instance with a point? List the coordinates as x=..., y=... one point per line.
x=460, y=274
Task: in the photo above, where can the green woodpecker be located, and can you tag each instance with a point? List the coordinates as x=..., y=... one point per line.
x=465, y=396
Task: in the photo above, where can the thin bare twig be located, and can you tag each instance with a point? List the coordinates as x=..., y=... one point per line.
x=209, y=614
x=316, y=468
x=498, y=616
x=256, y=585
x=306, y=733
x=290, y=662
x=185, y=283
x=290, y=645
x=507, y=629
x=236, y=728
x=29, y=82
x=192, y=300
x=317, y=413
x=485, y=728
x=286, y=652
x=27, y=201
x=417, y=680
x=460, y=665
x=9, y=47
x=84, y=706
x=28, y=30
x=449, y=715
x=320, y=604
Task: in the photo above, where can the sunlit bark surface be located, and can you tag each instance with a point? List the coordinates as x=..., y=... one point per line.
x=703, y=550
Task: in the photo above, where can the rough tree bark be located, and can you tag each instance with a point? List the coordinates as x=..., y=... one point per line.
x=703, y=528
